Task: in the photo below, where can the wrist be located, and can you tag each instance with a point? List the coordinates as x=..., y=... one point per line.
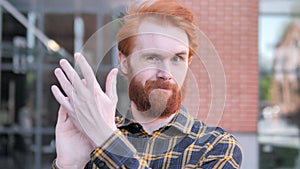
x=99, y=139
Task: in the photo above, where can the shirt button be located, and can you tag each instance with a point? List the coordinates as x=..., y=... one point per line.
x=136, y=126
x=101, y=164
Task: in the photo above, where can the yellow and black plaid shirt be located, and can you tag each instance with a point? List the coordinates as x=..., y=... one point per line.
x=184, y=143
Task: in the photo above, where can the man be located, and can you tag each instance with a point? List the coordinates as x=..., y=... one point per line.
x=156, y=44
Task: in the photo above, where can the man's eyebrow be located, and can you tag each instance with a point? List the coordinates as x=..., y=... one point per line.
x=181, y=53
x=160, y=54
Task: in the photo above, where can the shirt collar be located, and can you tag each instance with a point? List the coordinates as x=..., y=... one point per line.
x=182, y=121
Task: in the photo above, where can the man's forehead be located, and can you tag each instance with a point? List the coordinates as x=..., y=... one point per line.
x=150, y=28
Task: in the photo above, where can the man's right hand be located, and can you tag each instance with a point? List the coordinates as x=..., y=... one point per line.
x=72, y=147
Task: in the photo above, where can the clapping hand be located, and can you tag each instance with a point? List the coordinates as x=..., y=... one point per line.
x=86, y=113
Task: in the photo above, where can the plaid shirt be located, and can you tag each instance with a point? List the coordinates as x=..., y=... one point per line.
x=183, y=143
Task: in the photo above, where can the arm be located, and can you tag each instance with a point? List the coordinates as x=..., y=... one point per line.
x=117, y=152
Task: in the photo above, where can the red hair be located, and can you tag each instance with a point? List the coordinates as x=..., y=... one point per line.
x=166, y=12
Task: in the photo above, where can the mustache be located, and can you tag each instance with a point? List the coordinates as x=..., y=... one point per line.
x=159, y=84
x=139, y=94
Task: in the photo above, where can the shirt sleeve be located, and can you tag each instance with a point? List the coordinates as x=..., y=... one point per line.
x=54, y=166
x=116, y=152
x=226, y=153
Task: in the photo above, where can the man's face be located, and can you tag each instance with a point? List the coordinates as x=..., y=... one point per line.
x=156, y=69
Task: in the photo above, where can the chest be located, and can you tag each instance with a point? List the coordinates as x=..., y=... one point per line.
x=182, y=151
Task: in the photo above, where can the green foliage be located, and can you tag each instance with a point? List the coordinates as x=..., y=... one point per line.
x=264, y=87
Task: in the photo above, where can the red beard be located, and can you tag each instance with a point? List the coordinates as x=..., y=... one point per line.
x=155, y=103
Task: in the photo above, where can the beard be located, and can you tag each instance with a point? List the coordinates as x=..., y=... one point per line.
x=152, y=102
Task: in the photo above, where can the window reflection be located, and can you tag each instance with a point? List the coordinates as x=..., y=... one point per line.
x=278, y=126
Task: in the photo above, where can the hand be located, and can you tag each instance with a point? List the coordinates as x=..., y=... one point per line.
x=91, y=110
x=72, y=147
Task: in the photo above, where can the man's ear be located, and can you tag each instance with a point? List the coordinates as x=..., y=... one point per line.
x=123, y=63
x=190, y=60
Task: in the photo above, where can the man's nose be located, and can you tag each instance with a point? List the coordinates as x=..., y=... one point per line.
x=164, y=72
x=163, y=75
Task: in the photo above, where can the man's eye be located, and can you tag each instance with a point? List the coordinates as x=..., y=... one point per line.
x=152, y=58
x=177, y=58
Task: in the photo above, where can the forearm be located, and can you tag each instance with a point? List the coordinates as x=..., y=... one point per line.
x=117, y=152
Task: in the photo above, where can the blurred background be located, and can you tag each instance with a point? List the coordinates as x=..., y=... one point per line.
x=257, y=40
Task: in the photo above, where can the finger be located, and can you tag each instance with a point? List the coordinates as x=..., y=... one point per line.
x=63, y=81
x=71, y=74
x=61, y=99
x=111, y=85
x=63, y=121
x=87, y=71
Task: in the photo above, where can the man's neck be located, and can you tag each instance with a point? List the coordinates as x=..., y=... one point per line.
x=149, y=124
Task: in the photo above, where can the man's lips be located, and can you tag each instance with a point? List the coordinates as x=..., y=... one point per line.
x=169, y=91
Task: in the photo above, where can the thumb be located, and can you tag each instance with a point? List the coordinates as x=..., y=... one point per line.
x=111, y=85
x=62, y=115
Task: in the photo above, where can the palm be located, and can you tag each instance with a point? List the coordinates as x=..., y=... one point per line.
x=72, y=145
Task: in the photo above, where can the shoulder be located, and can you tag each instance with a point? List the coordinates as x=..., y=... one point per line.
x=214, y=132
x=219, y=142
